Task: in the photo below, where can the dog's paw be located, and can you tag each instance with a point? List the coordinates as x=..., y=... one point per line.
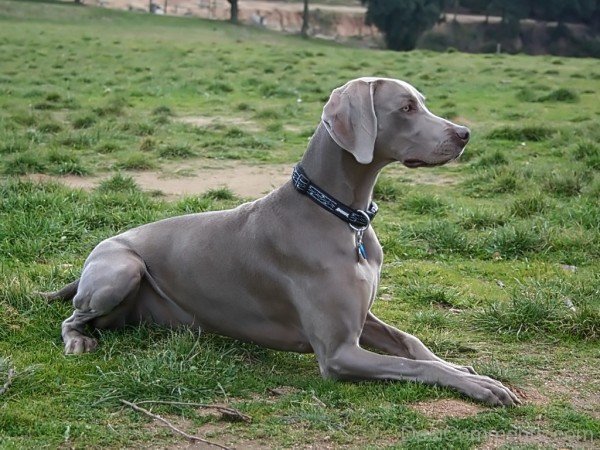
x=490, y=391
x=80, y=344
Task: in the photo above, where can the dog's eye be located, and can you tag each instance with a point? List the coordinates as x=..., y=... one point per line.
x=406, y=108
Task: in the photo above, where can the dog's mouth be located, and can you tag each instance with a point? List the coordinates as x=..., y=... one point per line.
x=414, y=163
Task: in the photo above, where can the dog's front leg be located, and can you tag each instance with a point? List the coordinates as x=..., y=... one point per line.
x=350, y=362
x=380, y=336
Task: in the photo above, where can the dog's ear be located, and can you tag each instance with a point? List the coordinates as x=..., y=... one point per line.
x=349, y=117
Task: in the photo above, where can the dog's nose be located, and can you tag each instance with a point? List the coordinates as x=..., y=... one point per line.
x=463, y=133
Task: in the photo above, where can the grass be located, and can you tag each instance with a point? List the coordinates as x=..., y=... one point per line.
x=492, y=261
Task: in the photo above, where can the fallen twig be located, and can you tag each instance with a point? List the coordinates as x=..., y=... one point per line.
x=230, y=413
x=171, y=426
x=9, y=377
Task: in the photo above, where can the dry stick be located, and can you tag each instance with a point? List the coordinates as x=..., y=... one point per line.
x=171, y=426
x=9, y=378
x=233, y=413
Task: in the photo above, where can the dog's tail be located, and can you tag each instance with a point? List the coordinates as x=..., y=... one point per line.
x=66, y=293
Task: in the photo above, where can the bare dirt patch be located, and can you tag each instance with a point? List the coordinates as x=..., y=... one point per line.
x=447, y=407
x=194, y=178
x=537, y=440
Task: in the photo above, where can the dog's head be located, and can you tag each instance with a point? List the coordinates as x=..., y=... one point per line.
x=386, y=119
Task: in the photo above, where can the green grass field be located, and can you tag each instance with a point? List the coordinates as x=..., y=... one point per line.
x=492, y=261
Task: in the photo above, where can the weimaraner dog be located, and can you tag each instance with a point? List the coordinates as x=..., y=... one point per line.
x=296, y=270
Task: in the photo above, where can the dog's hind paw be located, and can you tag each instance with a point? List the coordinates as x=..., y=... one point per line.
x=80, y=344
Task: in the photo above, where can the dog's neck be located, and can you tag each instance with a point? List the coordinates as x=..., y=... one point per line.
x=336, y=171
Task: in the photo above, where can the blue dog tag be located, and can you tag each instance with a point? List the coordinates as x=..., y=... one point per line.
x=362, y=252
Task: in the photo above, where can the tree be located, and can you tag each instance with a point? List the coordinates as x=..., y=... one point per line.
x=402, y=21
x=304, y=30
x=234, y=11
x=511, y=11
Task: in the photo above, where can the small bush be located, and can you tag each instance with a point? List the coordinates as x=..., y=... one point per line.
x=268, y=114
x=432, y=319
x=560, y=95
x=564, y=184
x=162, y=111
x=535, y=311
x=118, y=183
x=243, y=107
x=223, y=193
x=79, y=140
x=53, y=97
x=65, y=163
x=425, y=205
x=136, y=161
x=70, y=168
x=13, y=144
x=219, y=87
x=85, y=121
x=530, y=133
x=190, y=205
x=147, y=144
x=49, y=127
x=176, y=151
x=529, y=205
x=385, y=190
x=108, y=147
x=431, y=295
x=495, y=159
x=510, y=241
x=589, y=153
x=480, y=219
x=113, y=107
x=24, y=163
x=505, y=184
x=440, y=237
x=526, y=95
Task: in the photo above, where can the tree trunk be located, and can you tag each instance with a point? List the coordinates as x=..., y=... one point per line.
x=150, y=6
x=166, y=5
x=304, y=30
x=456, y=4
x=234, y=11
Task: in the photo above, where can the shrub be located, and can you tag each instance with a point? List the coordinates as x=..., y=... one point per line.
x=529, y=205
x=24, y=163
x=425, y=205
x=529, y=133
x=560, y=95
x=510, y=241
x=564, y=184
x=479, y=219
x=589, y=153
x=176, y=151
x=223, y=193
x=118, y=183
x=136, y=161
x=49, y=127
x=440, y=236
x=113, y=107
x=162, y=111
x=495, y=159
x=13, y=144
x=84, y=121
x=535, y=310
x=385, y=190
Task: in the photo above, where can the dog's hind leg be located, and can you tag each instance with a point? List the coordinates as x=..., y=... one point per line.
x=111, y=276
